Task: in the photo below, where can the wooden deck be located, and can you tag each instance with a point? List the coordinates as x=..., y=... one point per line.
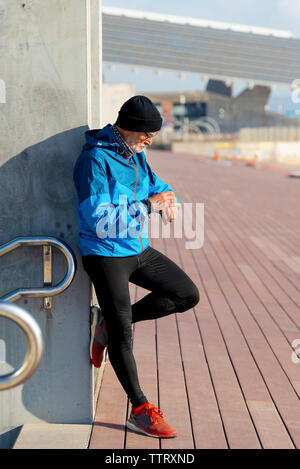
x=222, y=373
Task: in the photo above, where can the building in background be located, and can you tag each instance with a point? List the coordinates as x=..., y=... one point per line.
x=217, y=110
x=219, y=53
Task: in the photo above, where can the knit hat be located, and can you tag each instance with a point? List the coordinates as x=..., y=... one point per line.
x=139, y=115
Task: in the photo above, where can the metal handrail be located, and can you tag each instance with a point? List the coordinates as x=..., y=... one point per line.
x=35, y=345
x=46, y=291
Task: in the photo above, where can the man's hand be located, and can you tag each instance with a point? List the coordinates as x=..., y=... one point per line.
x=169, y=214
x=166, y=203
x=163, y=200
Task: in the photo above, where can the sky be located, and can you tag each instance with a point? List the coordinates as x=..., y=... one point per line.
x=274, y=14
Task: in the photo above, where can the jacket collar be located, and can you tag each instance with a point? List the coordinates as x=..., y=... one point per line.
x=108, y=137
x=125, y=148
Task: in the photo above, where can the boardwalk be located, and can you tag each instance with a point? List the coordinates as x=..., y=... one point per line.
x=222, y=372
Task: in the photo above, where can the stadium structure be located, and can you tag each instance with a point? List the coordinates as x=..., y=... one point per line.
x=219, y=53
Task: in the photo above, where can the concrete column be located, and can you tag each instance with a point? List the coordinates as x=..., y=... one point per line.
x=50, y=92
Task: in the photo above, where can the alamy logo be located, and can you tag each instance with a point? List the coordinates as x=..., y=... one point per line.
x=296, y=91
x=130, y=221
x=2, y=92
x=2, y=351
x=296, y=353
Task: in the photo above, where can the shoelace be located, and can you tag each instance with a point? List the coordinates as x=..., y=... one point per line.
x=155, y=414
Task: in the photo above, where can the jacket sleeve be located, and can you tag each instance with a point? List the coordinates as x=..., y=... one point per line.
x=95, y=205
x=157, y=185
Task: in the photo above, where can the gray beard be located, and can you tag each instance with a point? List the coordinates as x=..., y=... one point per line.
x=136, y=148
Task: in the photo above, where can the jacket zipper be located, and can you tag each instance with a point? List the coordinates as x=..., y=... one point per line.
x=137, y=178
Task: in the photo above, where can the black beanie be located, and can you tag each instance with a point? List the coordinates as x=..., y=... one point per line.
x=139, y=115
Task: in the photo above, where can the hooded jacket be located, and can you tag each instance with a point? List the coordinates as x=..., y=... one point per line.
x=110, y=191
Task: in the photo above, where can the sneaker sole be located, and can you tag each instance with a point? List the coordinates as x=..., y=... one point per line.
x=132, y=426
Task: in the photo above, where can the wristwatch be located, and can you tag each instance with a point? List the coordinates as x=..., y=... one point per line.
x=149, y=206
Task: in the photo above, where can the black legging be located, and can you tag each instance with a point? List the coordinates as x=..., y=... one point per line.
x=171, y=291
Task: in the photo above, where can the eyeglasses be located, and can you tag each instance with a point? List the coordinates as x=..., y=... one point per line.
x=149, y=136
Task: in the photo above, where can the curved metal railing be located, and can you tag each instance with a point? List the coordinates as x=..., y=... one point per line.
x=46, y=291
x=35, y=345
x=27, y=323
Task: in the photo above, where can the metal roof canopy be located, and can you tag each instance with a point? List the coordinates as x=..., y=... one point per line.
x=210, y=49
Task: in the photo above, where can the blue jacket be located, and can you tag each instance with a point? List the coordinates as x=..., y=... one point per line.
x=110, y=189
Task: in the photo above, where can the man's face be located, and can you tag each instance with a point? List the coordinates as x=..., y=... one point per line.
x=138, y=140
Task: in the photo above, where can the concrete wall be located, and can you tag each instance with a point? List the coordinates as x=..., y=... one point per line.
x=114, y=95
x=50, y=74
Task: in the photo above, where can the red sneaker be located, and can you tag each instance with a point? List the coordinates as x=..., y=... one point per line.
x=150, y=421
x=98, y=337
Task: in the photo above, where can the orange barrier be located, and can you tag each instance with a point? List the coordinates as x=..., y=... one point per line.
x=217, y=157
x=254, y=162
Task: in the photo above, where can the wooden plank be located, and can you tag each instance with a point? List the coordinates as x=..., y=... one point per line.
x=249, y=376
x=241, y=391
x=144, y=350
x=236, y=228
x=286, y=237
x=276, y=283
x=205, y=417
x=286, y=264
x=230, y=400
x=109, y=422
x=278, y=224
x=111, y=411
x=222, y=280
x=224, y=379
x=172, y=391
x=253, y=385
x=237, y=422
x=276, y=313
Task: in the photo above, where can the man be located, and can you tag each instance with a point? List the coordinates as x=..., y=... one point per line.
x=116, y=190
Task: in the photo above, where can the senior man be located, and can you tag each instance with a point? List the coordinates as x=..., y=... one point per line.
x=116, y=191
